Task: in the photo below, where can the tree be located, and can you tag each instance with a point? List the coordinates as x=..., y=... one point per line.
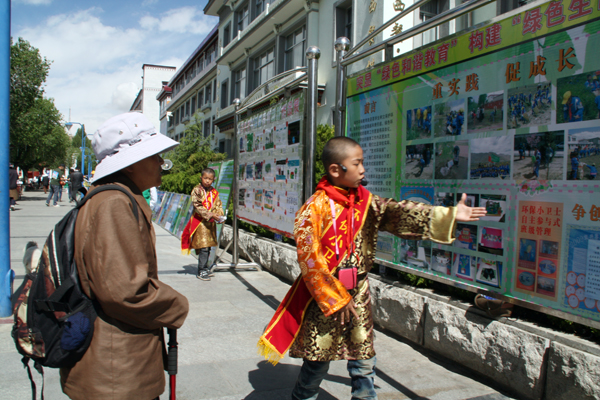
x=75, y=152
x=189, y=159
x=37, y=138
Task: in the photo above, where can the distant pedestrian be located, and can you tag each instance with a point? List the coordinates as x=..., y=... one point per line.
x=75, y=183
x=200, y=233
x=45, y=182
x=13, y=188
x=115, y=255
x=55, y=186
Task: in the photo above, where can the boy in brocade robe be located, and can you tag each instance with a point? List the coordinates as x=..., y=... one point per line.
x=200, y=233
x=321, y=319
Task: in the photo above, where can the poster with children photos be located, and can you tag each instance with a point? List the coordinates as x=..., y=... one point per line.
x=273, y=172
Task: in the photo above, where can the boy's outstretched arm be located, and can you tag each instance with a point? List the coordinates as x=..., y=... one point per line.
x=465, y=213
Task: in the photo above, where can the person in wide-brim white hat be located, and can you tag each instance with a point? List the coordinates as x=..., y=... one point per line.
x=124, y=140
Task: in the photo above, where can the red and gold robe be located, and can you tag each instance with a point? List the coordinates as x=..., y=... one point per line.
x=200, y=232
x=320, y=337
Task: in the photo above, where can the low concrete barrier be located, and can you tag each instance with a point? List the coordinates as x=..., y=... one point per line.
x=527, y=360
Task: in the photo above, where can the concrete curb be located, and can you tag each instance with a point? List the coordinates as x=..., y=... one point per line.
x=530, y=361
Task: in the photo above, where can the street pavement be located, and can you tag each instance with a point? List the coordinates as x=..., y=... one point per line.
x=217, y=344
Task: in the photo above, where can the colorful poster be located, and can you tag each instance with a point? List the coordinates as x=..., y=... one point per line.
x=507, y=113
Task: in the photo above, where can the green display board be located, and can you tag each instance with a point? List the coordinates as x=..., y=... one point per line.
x=508, y=113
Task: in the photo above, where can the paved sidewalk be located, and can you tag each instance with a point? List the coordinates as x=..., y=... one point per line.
x=217, y=343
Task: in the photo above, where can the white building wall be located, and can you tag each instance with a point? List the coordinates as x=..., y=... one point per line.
x=153, y=78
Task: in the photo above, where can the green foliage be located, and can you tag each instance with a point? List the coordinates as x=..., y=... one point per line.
x=37, y=138
x=324, y=133
x=189, y=159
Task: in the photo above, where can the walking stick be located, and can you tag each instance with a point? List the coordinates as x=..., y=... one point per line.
x=172, y=361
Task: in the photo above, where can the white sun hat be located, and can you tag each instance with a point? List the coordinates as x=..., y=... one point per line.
x=124, y=140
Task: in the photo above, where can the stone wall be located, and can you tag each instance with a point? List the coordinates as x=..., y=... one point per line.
x=524, y=359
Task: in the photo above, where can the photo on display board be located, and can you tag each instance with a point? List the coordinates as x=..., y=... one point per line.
x=294, y=133
x=441, y=261
x=486, y=112
x=491, y=240
x=258, y=170
x=451, y=160
x=529, y=106
x=258, y=198
x=242, y=198
x=539, y=156
x=449, y=118
x=527, y=253
x=249, y=171
x=578, y=98
x=549, y=249
x=464, y=267
x=582, y=283
x=444, y=199
x=495, y=206
x=419, y=163
x=490, y=157
x=416, y=253
x=472, y=200
x=249, y=142
x=466, y=237
x=418, y=123
x=489, y=272
x=584, y=153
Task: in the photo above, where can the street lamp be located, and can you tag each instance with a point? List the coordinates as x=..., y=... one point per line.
x=69, y=125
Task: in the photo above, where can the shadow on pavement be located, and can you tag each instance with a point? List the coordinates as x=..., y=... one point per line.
x=269, y=300
x=279, y=378
x=398, y=386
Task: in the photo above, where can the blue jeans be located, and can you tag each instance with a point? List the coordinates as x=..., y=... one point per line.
x=362, y=374
x=54, y=191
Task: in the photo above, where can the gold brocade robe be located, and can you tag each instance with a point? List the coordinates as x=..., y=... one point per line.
x=321, y=337
x=206, y=233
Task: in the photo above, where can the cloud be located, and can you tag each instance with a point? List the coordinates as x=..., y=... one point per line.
x=147, y=3
x=97, y=68
x=35, y=2
x=180, y=20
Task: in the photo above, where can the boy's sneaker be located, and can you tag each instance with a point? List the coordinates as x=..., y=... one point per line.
x=203, y=276
x=57, y=205
x=47, y=205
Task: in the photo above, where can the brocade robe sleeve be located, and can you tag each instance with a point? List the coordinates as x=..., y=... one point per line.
x=326, y=290
x=217, y=208
x=416, y=221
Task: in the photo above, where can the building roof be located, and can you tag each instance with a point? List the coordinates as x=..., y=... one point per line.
x=209, y=38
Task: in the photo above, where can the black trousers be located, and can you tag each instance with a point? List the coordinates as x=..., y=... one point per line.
x=203, y=255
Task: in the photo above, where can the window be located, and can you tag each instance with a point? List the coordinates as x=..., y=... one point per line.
x=264, y=67
x=504, y=6
x=239, y=90
x=222, y=146
x=227, y=35
x=206, y=127
x=207, y=93
x=343, y=20
x=177, y=117
x=200, y=98
x=430, y=10
x=224, y=94
x=214, y=90
x=243, y=17
x=201, y=63
x=193, y=105
x=295, y=48
x=261, y=6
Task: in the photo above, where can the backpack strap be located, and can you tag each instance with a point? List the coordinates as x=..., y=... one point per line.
x=110, y=187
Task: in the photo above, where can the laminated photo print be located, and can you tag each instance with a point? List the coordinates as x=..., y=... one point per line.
x=491, y=240
x=416, y=253
x=466, y=237
x=464, y=267
x=495, y=206
x=441, y=261
x=489, y=272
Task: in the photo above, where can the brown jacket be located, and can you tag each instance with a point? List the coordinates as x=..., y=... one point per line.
x=206, y=233
x=116, y=260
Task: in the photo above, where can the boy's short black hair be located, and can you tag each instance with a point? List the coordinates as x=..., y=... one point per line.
x=336, y=150
x=208, y=171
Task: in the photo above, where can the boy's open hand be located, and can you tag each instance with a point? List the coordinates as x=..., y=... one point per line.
x=347, y=312
x=465, y=213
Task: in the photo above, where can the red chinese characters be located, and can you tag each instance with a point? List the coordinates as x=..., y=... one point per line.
x=443, y=52
x=367, y=79
x=429, y=57
x=532, y=21
x=418, y=62
x=385, y=73
x=395, y=70
x=580, y=8
x=492, y=35
x=406, y=65
x=360, y=82
x=554, y=14
x=476, y=41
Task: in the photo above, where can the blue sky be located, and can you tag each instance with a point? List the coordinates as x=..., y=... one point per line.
x=97, y=49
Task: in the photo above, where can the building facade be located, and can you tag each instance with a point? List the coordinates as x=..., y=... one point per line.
x=153, y=79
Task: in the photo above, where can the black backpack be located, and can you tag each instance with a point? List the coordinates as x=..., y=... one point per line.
x=54, y=319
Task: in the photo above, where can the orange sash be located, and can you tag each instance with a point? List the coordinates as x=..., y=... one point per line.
x=285, y=324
